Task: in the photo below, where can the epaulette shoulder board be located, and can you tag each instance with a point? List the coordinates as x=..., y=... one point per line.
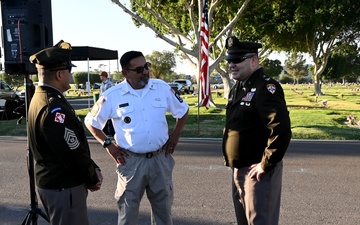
x=266, y=78
x=51, y=99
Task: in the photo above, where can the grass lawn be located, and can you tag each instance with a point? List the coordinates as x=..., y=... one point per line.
x=322, y=117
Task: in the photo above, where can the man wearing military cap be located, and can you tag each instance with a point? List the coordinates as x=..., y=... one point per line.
x=256, y=136
x=64, y=169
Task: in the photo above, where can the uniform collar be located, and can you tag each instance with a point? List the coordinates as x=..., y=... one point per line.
x=51, y=90
x=128, y=89
x=257, y=73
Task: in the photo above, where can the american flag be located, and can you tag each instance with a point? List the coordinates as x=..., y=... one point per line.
x=204, y=95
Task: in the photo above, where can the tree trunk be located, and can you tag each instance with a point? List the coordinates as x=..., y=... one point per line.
x=317, y=86
x=317, y=89
x=227, y=86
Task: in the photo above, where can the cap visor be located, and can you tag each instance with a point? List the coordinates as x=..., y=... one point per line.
x=234, y=56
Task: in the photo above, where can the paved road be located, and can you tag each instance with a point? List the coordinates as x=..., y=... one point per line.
x=81, y=103
x=321, y=184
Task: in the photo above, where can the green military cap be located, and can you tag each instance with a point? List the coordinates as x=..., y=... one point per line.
x=53, y=57
x=236, y=48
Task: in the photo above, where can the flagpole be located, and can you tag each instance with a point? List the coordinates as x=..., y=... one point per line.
x=199, y=88
x=199, y=70
x=199, y=91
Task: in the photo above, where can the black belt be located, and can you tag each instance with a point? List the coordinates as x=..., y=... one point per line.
x=148, y=154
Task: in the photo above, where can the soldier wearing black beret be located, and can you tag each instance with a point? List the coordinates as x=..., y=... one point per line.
x=256, y=136
x=64, y=170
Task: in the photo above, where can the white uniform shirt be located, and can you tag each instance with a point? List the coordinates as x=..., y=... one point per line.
x=139, y=117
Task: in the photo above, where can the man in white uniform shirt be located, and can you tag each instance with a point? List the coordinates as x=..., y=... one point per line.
x=143, y=147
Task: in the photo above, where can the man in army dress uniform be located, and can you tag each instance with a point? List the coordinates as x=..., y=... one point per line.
x=256, y=136
x=63, y=167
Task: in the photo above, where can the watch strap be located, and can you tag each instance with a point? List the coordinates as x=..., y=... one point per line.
x=106, y=142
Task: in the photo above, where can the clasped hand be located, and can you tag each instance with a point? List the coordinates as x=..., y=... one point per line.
x=97, y=186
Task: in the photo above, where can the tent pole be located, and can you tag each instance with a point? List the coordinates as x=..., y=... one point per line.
x=88, y=86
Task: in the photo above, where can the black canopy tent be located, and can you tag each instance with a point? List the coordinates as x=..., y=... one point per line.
x=82, y=53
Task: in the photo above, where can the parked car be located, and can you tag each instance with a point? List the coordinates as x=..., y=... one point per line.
x=12, y=100
x=97, y=86
x=178, y=88
x=7, y=92
x=221, y=85
x=21, y=93
x=188, y=87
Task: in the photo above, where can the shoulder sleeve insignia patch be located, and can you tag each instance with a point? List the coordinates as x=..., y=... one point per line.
x=71, y=139
x=271, y=88
x=95, y=109
x=55, y=109
x=59, y=117
x=177, y=96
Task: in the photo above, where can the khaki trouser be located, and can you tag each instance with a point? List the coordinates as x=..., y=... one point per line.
x=140, y=174
x=257, y=203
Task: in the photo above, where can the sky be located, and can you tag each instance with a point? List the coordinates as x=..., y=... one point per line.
x=102, y=24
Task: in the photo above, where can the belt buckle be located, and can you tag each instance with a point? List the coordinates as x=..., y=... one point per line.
x=149, y=155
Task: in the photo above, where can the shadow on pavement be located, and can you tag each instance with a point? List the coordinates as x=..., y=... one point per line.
x=15, y=214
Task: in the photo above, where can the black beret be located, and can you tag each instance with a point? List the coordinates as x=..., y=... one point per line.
x=236, y=48
x=53, y=57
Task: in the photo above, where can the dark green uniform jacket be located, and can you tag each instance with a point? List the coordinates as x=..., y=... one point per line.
x=257, y=123
x=58, y=142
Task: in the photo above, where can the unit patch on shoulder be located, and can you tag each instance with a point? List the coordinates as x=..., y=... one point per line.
x=177, y=96
x=71, y=139
x=271, y=88
x=95, y=109
x=59, y=117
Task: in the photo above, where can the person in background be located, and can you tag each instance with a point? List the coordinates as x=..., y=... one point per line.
x=256, y=136
x=64, y=170
x=143, y=147
x=106, y=84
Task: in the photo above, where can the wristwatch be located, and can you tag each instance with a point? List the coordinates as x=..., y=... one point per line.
x=107, y=142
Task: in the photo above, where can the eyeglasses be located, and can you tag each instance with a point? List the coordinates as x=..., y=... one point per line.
x=239, y=60
x=66, y=68
x=140, y=69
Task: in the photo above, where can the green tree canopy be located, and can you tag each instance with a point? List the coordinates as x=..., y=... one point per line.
x=117, y=76
x=316, y=27
x=272, y=68
x=13, y=80
x=295, y=67
x=344, y=63
x=82, y=77
x=161, y=63
x=312, y=26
